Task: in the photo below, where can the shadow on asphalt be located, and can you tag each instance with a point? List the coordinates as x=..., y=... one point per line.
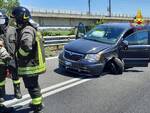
x=133, y=70
x=21, y=109
x=67, y=73
x=75, y=75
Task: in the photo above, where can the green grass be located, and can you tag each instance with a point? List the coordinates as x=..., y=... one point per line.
x=57, y=32
x=52, y=51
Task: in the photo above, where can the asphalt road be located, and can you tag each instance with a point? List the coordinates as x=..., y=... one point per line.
x=69, y=93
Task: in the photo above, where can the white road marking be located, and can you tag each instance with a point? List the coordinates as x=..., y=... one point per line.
x=59, y=85
x=65, y=87
x=27, y=95
x=54, y=91
x=10, y=102
x=47, y=91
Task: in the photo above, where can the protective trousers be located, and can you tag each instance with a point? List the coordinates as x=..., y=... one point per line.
x=16, y=82
x=31, y=83
x=15, y=78
x=13, y=69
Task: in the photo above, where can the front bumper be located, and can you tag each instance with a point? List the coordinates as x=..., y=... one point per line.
x=82, y=67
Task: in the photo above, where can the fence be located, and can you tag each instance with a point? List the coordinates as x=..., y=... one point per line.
x=57, y=40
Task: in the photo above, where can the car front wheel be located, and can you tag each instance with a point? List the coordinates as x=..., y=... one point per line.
x=116, y=66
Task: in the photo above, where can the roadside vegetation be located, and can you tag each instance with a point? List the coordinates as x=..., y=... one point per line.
x=57, y=32
x=53, y=51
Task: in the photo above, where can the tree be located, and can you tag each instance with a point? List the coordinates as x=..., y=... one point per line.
x=8, y=5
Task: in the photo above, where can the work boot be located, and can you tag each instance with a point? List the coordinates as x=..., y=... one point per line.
x=37, y=108
x=17, y=91
x=4, y=109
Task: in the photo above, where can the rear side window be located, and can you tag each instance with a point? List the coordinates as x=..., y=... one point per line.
x=138, y=38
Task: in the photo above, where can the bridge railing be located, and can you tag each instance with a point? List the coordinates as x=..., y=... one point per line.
x=66, y=12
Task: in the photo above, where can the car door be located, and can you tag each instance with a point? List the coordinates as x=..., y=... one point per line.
x=137, y=53
x=81, y=30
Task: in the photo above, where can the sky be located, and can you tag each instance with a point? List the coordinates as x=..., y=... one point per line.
x=128, y=7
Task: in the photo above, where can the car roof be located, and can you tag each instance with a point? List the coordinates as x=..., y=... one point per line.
x=125, y=25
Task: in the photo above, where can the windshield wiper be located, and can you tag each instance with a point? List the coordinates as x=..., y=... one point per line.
x=91, y=39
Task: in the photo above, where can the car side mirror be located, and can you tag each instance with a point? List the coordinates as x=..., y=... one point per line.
x=125, y=44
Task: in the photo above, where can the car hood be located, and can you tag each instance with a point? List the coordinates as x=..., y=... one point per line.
x=86, y=46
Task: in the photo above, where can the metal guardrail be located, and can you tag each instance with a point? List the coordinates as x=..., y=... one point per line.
x=57, y=40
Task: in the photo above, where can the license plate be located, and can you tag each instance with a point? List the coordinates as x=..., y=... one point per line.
x=68, y=63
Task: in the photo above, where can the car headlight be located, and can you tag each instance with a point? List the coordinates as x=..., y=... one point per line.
x=93, y=57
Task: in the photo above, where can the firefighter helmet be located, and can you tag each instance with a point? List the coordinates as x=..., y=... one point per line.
x=4, y=20
x=21, y=15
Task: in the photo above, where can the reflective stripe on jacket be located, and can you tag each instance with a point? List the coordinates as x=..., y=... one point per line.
x=30, y=54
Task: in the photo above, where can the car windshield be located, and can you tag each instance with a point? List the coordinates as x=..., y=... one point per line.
x=104, y=34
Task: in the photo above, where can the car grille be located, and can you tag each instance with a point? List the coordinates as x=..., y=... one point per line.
x=73, y=56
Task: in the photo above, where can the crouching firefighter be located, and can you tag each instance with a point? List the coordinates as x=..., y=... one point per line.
x=30, y=55
x=7, y=59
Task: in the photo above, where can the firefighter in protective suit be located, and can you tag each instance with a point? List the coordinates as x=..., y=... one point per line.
x=7, y=59
x=30, y=55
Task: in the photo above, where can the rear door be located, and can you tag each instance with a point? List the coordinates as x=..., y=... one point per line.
x=137, y=54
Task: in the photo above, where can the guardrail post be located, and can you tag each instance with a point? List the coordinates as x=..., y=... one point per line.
x=57, y=47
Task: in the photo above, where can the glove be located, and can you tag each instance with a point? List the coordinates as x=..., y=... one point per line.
x=4, y=55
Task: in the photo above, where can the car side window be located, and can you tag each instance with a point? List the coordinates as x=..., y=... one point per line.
x=138, y=38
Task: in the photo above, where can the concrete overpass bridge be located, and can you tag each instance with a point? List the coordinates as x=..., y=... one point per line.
x=70, y=19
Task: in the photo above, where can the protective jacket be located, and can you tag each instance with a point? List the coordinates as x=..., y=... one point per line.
x=30, y=52
x=9, y=39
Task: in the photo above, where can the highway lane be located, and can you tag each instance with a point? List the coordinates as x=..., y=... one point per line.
x=50, y=78
x=127, y=93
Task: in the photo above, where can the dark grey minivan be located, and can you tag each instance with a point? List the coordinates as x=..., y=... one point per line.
x=110, y=46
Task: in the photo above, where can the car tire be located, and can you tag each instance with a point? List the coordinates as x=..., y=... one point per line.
x=116, y=66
